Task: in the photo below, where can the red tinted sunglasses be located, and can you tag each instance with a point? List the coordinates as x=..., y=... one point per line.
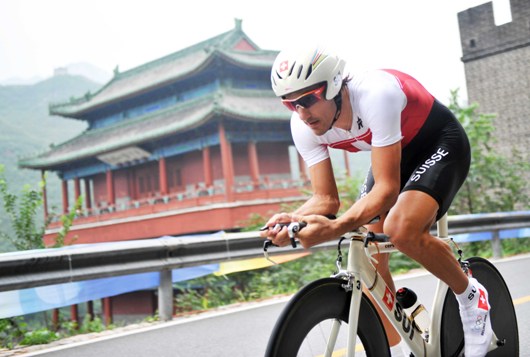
x=305, y=100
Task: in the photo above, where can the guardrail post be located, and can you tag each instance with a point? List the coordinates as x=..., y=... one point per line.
x=165, y=296
x=496, y=245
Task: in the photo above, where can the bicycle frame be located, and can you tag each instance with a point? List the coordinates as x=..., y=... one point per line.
x=361, y=272
x=361, y=269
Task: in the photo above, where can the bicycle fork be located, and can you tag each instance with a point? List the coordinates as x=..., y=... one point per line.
x=351, y=283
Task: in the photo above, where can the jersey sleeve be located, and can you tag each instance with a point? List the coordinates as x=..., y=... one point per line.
x=381, y=102
x=307, y=145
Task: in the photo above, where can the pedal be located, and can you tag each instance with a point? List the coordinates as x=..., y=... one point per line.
x=496, y=342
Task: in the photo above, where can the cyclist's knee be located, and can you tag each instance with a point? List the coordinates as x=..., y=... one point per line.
x=404, y=231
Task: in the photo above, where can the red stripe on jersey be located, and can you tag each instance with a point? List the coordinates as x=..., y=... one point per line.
x=348, y=144
x=419, y=105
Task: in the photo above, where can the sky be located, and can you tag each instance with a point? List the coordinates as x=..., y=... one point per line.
x=420, y=37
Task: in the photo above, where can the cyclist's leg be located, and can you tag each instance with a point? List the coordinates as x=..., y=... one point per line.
x=383, y=268
x=408, y=224
x=503, y=319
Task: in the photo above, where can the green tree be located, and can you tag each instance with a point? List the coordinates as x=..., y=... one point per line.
x=28, y=234
x=22, y=214
x=495, y=182
x=22, y=211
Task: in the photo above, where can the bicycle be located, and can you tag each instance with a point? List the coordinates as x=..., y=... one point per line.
x=320, y=309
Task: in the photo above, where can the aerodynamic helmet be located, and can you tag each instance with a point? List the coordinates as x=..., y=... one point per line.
x=298, y=69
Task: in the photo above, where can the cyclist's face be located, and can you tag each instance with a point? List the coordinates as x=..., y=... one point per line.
x=318, y=116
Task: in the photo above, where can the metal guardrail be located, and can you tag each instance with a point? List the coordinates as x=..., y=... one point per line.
x=27, y=269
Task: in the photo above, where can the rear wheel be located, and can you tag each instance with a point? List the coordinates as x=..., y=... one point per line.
x=502, y=313
x=306, y=323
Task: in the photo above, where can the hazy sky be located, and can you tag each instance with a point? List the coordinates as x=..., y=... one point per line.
x=417, y=36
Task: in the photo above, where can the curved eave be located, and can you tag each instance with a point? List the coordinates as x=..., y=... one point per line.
x=183, y=117
x=250, y=59
x=125, y=86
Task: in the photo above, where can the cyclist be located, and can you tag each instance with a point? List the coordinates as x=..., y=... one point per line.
x=420, y=157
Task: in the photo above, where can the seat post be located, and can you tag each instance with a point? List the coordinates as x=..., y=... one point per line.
x=443, y=227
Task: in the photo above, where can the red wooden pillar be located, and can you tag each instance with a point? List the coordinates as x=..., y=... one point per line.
x=302, y=167
x=74, y=315
x=44, y=195
x=253, y=163
x=207, y=167
x=65, y=196
x=110, y=189
x=132, y=185
x=347, y=163
x=55, y=319
x=162, y=173
x=107, y=310
x=227, y=163
x=88, y=199
x=74, y=310
x=90, y=310
x=77, y=188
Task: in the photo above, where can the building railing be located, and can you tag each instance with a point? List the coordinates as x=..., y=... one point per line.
x=195, y=194
x=27, y=269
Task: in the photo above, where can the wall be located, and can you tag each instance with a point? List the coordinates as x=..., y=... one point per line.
x=497, y=67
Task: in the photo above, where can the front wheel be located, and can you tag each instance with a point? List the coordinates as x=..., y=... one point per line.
x=502, y=313
x=318, y=311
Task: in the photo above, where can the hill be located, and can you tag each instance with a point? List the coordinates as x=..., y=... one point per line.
x=26, y=129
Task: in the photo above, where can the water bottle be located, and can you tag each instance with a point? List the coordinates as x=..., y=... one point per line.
x=412, y=307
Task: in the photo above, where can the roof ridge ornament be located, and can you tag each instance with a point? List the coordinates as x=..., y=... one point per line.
x=238, y=23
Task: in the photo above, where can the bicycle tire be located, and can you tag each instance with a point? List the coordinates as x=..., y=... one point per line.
x=502, y=313
x=319, y=301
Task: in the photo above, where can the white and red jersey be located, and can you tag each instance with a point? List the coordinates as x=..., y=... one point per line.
x=388, y=106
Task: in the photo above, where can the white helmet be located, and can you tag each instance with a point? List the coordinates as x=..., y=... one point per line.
x=296, y=70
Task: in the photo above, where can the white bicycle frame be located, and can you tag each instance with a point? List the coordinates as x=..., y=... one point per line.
x=361, y=269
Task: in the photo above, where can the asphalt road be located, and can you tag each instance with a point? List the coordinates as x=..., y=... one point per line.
x=243, y=331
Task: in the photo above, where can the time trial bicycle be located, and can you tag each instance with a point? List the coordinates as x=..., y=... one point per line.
x=334, y=317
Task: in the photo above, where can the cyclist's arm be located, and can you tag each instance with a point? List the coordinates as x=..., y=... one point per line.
x=325, y=198
x=386, y=171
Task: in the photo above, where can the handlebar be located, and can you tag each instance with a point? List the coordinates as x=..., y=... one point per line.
x=292, y=229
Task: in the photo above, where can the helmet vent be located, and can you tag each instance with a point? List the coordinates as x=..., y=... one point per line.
x=300, y=71
x=292, y=69
x=309, y=71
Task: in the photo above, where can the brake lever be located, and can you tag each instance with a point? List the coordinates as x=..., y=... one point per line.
x=293, y=228
x=266, y=244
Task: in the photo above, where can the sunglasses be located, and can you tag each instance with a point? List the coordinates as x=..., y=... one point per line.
x=305, y=100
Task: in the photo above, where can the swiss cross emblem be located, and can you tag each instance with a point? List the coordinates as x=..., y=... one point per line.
x=284, y=66
x=388, y=299
x=482, y=302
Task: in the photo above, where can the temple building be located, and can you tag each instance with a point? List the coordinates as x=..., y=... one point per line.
x=191, y=142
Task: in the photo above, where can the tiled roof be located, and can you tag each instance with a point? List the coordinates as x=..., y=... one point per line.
x=168, y=69
x=238, y=104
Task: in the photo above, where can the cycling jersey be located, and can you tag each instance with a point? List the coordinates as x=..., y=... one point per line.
x=390, y=106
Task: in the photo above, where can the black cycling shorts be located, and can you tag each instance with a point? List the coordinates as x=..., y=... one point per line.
x=436, y=161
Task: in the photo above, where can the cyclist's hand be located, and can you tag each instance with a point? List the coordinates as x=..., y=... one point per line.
x=319, y=229
x=276, y=229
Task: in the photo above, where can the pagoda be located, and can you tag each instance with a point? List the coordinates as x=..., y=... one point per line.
x=192, y=142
